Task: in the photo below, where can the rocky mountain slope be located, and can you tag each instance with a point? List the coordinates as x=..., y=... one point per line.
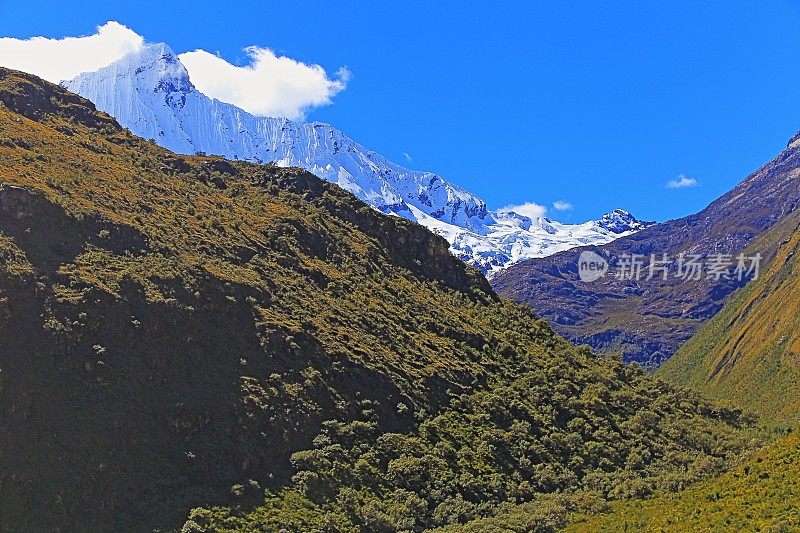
x=150, y=93
x=181, y=331
x=646, y=320
x=749, y=353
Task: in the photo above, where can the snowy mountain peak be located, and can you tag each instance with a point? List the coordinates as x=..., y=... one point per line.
x=155, y=67
x=150, y=93
x=141, y=90
x=160, y=69
x=514, y=237
x=620, y=221
x=170, y=74
x=158, y=58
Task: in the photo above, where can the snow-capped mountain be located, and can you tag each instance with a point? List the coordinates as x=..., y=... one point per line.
x=150, y=93
x=514, y=237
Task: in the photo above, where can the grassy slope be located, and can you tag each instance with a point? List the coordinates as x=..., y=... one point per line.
x=762, y=494
x=749, y=354
x=175, y=329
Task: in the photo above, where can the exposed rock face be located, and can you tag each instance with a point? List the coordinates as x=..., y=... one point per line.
x=33, y=101
x=794, y=141
x=15, y=201
x=647, y=320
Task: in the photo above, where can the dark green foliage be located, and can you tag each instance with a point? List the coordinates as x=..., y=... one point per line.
x=564, y=424
x=171, y=326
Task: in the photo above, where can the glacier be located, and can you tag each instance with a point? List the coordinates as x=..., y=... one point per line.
x=150, y=93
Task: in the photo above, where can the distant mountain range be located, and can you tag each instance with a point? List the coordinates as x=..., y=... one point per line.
x=646, y=320
x=150, y=93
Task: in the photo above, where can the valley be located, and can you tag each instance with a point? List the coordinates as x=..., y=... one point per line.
x=225, y=329
x=218, y=315
x=647, y=320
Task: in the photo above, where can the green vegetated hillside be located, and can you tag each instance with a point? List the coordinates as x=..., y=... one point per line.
x=563, y=425
x=749, y=354
x=762, y=494
x=249, y=341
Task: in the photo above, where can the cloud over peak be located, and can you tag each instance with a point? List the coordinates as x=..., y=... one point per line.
x=271, y=85
x=531, y=210
x=57, y=60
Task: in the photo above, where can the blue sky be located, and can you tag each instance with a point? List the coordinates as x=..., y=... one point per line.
x=597, y=104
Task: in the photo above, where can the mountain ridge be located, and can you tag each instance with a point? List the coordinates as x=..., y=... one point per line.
x=151, y=94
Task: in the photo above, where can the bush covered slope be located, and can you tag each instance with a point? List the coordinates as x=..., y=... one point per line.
x=749, y=354
x=179, y=332
x=564, y=425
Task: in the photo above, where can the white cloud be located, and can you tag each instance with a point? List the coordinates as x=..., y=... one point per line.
x=562, y=205
x=531, y=210
x=408, y=157
x=682, y=182
x=61, y=59
x=344, y=74
x=270, y=85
